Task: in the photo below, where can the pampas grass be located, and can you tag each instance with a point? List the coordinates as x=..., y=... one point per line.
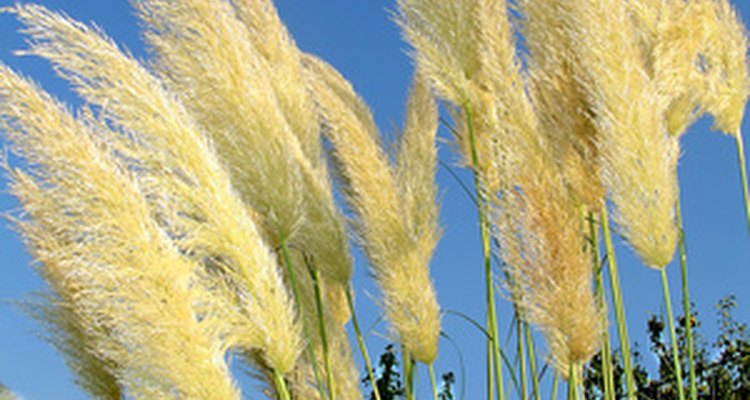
x=189, y=210
x=397, y=237
x=121, y=326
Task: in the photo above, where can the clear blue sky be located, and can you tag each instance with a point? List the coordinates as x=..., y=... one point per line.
x=359, y=38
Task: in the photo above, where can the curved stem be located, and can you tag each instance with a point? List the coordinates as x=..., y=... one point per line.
x=614, y=283
x=362, y=347
x=672, y=334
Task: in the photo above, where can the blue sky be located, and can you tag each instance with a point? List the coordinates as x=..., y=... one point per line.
x=359, y=38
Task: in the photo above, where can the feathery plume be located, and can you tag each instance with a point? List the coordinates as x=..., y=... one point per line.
x=532, y=208
x=66, y=332
x=728, y=79
x=130, y=289
x=560, y=102
x=446, y=44
x=178, y=169
x=416, y=165
x=273, y=42
x=639, y=158
x=699, y=62
x=399, y=258
x=242, y=82
x=539, y=231
x=464, y=50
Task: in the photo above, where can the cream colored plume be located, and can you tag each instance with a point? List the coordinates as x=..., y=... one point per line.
x=561, y=105
x=698, y=58
x=532, y=208
x=68, y=334
x=446, y=43
x=465, y=52
x=187, y=186
x=539, y=231
x=639, y=158
x=272, y=41
x=237, y=71
x=416, y=164
x=128, y=290
x=398, y=254
x=729, y=81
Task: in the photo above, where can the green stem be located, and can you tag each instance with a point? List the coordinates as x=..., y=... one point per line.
x=322, y=328
x=686, y=303
x=607, y=375
x=532, y=361
x=572, y=385
x=490, y=370
x=743, y=174
x=280, y=384
x=672, y=334
x=521, y=356
x=614, y=283
x=433, y=382
x=361, y=344
x=298, y=302
x=609, y=381
x=408, y=373
x=493, y=350
x=555, y=384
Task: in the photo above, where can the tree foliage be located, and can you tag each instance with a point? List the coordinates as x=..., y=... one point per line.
x=722, y=366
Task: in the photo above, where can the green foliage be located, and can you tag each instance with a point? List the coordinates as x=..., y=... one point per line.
x=446, y=392
x=390, y=383
x=389, y=379
x=722, y=367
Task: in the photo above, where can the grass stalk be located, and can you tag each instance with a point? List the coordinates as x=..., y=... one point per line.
x=361, y=344
x=743, y=175
x=532, y=361
x=493, y=346
x=610, y=392
x=555, y=384
x=409, y=368
x=280, y=384
x=614, y=283
x=490, y=366
x=607, y=374
x=686, y=303
x=305, y=328
x=572, y=383
x=433, y=382
x=521, y=356
x=672, y=334
x=314, y=274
